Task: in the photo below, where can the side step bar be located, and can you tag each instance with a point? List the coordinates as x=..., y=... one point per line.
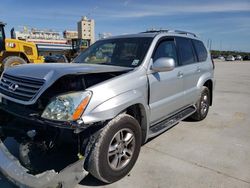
x=171, y=121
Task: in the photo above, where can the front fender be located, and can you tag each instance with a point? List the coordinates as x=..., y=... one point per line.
x=112, y=107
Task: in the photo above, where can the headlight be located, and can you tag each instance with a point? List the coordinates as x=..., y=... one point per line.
x=67, y=107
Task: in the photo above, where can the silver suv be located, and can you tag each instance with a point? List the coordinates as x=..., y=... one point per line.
x=115, y=95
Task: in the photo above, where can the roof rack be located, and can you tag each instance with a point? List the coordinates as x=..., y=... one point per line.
x=170, y=31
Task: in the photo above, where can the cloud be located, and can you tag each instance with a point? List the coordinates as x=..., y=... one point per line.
x=139, y=11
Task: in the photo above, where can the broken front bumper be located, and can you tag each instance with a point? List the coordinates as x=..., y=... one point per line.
x=69, y=177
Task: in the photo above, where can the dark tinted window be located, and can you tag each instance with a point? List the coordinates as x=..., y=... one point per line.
x=166, y=49
x=200, y=50
x=185, y=50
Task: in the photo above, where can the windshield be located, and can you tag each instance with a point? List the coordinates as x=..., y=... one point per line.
x=126, y=52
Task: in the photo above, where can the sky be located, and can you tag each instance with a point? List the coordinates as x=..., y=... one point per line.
x=225, y=22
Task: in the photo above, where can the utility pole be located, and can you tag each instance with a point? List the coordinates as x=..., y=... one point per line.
x=209, y=44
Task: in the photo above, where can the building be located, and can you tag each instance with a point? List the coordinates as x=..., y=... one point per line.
x=39, y=36
x=47, y=40
x=69, y=35
x=86, y=30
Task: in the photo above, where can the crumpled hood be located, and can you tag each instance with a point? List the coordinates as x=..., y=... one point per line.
x=51, y=72
x=47, y=71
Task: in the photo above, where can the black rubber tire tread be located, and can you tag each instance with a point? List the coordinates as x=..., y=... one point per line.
x=198, y=116
x=9, y=60
x=96, y=163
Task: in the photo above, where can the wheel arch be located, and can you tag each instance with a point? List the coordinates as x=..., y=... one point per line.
x=139, y=113
x=19, y=54
x=209, y=85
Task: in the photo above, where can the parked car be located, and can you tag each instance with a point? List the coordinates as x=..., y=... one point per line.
x=106, y=105
x=56, y=59
x=230, y=58
x=239, y=58
x=246, y=58
x=221, y=58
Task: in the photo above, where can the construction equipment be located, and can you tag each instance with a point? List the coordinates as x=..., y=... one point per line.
x=14, y=52
x=77, y=46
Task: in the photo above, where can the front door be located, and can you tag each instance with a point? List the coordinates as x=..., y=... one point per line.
x=166, y=88
x=2, y=38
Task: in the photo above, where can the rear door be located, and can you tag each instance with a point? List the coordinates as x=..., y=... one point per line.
x=191, y=69
x=2, y=38
x=166, y=88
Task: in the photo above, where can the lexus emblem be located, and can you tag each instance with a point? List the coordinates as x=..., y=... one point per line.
x=13, y=87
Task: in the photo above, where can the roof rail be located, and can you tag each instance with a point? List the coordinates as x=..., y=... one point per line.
x=185, y=33
x=170, y=31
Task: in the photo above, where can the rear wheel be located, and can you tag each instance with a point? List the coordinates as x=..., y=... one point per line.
x=202, y=105
x=13, y=61
x=116, y=149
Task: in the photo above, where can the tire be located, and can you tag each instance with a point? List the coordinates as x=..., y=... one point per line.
x=13, y=61
x=114, y=165
x=202, y=105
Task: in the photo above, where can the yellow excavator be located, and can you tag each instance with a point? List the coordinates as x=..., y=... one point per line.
x=15, y=52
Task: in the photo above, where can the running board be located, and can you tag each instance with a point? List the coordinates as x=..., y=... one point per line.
x=170, y=122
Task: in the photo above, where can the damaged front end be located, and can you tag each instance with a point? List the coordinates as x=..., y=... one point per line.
x=32, y=161
x=69, y=177
x=44, y=112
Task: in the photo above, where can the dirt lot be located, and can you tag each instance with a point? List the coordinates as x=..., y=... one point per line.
x=211, y=153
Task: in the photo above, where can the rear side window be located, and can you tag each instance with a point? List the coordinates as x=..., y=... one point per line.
x=200, y=50
x=185, y=50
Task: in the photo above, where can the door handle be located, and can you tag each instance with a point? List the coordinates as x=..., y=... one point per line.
x=198, y=69
x=180, y=74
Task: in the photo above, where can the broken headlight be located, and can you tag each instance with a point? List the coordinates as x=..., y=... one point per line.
x=67, y=107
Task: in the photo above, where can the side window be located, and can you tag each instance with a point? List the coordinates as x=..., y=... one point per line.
x=185, y=50
x=200, y=50
x=166, y=49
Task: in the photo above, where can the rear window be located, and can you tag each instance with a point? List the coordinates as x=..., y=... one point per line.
x=186, y=51
x=200, y=50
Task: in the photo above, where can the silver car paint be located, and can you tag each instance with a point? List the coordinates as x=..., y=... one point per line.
x=52, y=72
x=135, y=86
x=113, y=96
x=159, y=94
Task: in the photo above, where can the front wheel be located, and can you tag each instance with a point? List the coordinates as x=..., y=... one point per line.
x=202, y=105
x=116, y=149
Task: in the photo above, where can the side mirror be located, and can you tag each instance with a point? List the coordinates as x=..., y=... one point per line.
x=163, y=64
